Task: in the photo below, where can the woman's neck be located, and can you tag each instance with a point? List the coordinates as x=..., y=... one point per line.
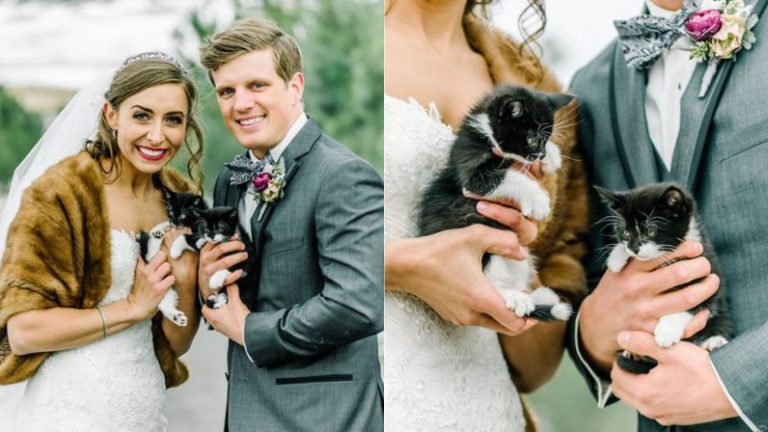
x=436, y=24
x=129, y=180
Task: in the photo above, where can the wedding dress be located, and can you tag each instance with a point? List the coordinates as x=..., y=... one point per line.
x=437, y=376
x=114, y=384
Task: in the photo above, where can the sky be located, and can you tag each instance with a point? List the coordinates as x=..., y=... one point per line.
x=66, y=45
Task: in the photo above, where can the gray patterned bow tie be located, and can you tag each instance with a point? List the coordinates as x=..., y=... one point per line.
x=243, y=169
x=644, y=38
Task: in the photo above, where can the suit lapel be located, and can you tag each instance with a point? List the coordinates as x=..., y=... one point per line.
x=695, y=119
x=292, y=155
x=627, y=106
x=234, y=193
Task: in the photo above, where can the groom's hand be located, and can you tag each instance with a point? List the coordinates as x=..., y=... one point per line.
x=638, y=295
x=219, y=256
x=681, y=390
x=229, y=319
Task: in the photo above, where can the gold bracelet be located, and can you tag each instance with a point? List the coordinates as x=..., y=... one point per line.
x=103, y=321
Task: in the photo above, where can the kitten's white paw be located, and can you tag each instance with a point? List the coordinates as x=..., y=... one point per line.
x=713, y=343
x=539, y=206
x=218, y=278
x=220, y=300
x=178, y=247
x=618, y=258
x=160, y=229
x=670, y=328
x=180, y=319
x=561, y=311
x=201, y=242
x=519, y=302
x=545, y=296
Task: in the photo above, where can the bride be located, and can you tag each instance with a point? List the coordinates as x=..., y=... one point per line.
x=79, y=321
x=455, y=357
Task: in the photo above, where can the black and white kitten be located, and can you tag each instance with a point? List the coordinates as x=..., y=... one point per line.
x=181, y=208
x=216, y=225
x=510, y=124
x=649, y=222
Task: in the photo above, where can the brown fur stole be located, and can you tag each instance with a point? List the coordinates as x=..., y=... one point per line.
x=58, y=255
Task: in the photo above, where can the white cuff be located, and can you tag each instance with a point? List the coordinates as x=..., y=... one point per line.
x=604, y=387
x=735, y=406
x=244, y=346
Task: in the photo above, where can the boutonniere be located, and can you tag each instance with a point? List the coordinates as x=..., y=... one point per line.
x=267, y=185
x=716, y=30
x=720, y=29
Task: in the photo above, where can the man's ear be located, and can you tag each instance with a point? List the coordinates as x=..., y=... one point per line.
x=110, y=114
x=296, y=84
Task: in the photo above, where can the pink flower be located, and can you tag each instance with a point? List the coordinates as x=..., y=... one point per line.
x=703, y=24
x=261, y=181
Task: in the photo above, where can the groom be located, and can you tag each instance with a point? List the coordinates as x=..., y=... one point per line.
x=711, y=138
x=303, y=352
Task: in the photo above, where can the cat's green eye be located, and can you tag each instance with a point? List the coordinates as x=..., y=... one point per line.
x=625, y=235
x=651, y=233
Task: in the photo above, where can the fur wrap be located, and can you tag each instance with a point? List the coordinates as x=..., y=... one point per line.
x=58, y=255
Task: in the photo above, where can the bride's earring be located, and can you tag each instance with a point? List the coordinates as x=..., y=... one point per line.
x=114, y=134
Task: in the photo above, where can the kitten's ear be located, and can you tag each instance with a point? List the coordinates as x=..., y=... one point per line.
x=674, y=199
x=613, y=200
x=559, y=100
x=512, y=109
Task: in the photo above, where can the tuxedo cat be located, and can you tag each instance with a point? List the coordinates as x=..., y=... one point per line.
x=649, y=222
x=181, y=208
x=507, y=128
x=216, y=225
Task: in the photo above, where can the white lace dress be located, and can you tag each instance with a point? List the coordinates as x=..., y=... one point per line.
x=115, y=384
x=437, y=376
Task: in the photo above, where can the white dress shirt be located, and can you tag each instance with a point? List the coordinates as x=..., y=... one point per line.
x=668, y=78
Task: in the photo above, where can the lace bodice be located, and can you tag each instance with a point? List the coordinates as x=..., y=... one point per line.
x=437, y=376
x=115, y=384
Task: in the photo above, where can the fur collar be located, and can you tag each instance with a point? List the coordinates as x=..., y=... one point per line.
x=58, y=255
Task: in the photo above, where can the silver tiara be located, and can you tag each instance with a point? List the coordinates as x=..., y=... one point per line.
x=155, y=55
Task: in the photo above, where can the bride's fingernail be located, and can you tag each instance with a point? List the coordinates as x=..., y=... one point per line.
x=524, y=252
x=482, y=205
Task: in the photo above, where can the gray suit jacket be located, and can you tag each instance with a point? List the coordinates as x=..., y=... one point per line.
x=722, y=156
x=320, y=288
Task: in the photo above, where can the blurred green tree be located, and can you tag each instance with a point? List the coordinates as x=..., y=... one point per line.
x=343, y=48
x=19, y=131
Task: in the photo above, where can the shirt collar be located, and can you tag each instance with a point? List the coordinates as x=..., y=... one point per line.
x=659, y=11
x=278, y=150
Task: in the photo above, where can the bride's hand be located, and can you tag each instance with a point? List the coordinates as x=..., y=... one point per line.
x=506, y=213
x=150, y=283
x=445, y=271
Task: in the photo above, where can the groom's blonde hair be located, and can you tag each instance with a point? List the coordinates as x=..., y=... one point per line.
x=248, y=35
